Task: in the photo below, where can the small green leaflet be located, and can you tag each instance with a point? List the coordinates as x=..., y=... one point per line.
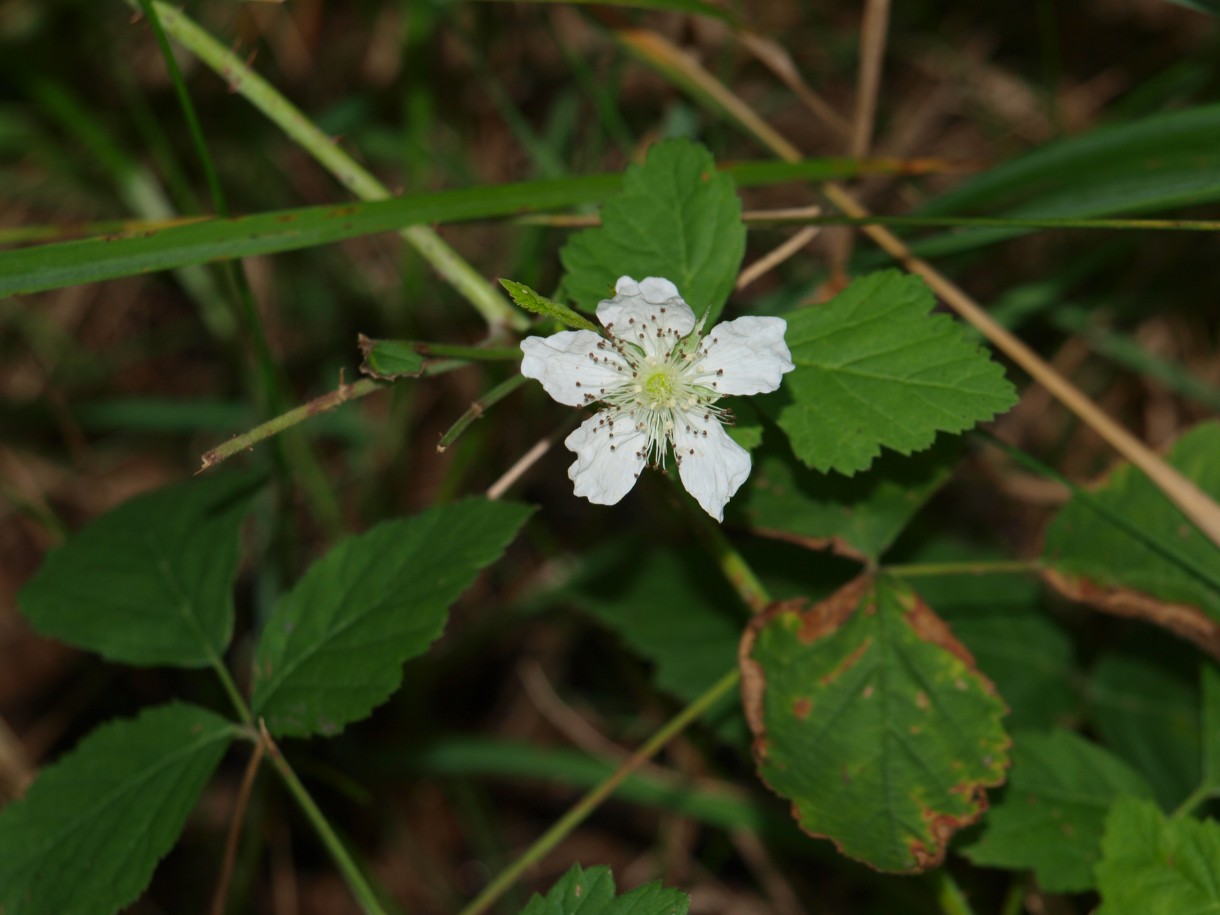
x=1052, y=813
x=676, y=217
x=390, y=359
x=334, y=646
x=874, y=369
x=1152, y=865
x=1125, y=548
x=869, y=716
x=540, y=305
x=150, y=582
x=591, y=892
x=88, y=835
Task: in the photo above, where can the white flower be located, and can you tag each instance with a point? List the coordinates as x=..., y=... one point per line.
x=659, y=378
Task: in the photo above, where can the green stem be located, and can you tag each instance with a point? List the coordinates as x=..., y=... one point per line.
x=992, y=567
x=1203, y=793
x=949, y=895
x=587, y=804
x=244, y=81
x=235, y=696
x=732, y=564
x=478, y=408
x=343, y=860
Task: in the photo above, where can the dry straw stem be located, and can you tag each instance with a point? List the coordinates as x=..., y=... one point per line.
x=1199, y=507
x=244, y=81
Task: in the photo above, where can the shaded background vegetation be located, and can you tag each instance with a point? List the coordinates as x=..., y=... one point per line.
x=112, y=389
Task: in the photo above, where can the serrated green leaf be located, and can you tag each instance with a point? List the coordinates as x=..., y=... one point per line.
x=1152, y=865
x=150, y=582
x=1016, y=644
x=859, y=516
x=591, y=892
x=1052, y=813
x=872, y=720
x=875, y=369
x=1148, y=713
x=676, y=217
x=390, y=359
x=334, y=646
x=540, y=305
x=1124, y=547
x=671, y=609
x=88, y=835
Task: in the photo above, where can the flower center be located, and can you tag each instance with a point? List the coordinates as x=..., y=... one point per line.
x=658, y=388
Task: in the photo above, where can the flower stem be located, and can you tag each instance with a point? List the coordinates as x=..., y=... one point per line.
x=343, y=860
x=587, y=804
x=244, y=81
x=478, y=408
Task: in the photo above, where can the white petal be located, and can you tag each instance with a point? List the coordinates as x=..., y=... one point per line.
x=639, y=310
x=712, y=466
x=745, y=356
x=608, y=460
x=571, y=367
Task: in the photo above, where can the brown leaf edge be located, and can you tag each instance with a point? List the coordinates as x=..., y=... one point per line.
x=366, y=345
x=819, y=621
x=1183, y=619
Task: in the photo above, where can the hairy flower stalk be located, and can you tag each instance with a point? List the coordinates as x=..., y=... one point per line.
x=659, y=379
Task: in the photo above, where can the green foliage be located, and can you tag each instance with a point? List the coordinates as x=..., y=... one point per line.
x=390, y=359
x=86, y=838
x=1124, y=543
x=676, y=217
x=540, y=305
x=1156, y=866
x=1168, y=159
x=150, y=582
x=1148, y=714
x=875, y=369
x=334, y=647
x=591, y=892
x=871, y=719
x=859, y=516
x=1052, y=812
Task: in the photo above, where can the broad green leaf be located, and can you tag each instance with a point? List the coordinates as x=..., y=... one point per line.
x=334, y=646
x=870, y=718
x=1166, y=160
x=676, y=217
x=150, y=582
x=875, y=369
x=1152, y=865
x=540, y=305
x=1148, y=713
x=390, y=359
x=672, y=609
x=1210, y=689
x=51, y=266
x=1051, y=815
x=88, y=835
x=858, y=516
x=1125, y=548
x=591, y=892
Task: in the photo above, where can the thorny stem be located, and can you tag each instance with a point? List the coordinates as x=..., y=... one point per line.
x=478, y=408
x=347, y=866
x=244, y=81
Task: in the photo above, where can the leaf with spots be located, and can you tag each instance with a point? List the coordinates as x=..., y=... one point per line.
x=870, y=717
x=334, y=646
x=591, y=892
x=875, y=368
x=676, y=217
x=1053, y=811
x=1126, y=549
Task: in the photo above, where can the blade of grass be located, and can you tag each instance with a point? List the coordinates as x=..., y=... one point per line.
x=244, y=81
